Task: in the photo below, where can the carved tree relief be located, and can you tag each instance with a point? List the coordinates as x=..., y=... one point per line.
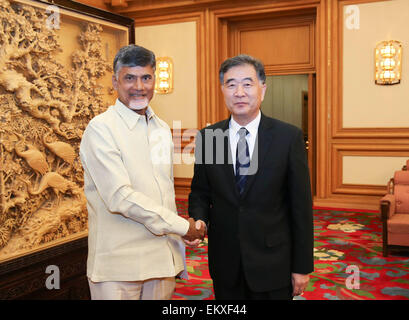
x=44, y=109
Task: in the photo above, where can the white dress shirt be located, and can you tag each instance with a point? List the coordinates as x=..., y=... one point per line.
x=134, y=229
x=252, y=128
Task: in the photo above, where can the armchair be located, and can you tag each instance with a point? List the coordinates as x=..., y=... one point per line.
x=395, y=213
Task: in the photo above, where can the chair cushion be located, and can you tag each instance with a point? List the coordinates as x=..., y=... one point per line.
x=399, y=223
x=401, y=193
x=401, y=177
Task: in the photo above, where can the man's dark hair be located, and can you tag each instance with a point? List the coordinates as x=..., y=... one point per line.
x=240, y=60
x=134, y=56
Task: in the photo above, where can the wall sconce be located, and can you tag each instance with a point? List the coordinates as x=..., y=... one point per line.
x=164, y=75
x=388, y=60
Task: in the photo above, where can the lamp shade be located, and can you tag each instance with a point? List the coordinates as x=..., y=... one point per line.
x=164, y=75
x=388, y=62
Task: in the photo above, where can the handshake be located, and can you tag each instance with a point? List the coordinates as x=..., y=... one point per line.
x=196, y=233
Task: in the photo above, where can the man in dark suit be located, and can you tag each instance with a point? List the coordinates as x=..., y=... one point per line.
x=251, y=188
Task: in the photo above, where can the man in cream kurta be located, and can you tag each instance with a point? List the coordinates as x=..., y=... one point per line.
x=134, y=230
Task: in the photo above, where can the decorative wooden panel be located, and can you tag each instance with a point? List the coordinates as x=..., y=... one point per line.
x=282, y=44
x=362, y=149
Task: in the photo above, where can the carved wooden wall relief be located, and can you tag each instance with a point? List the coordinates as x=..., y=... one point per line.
x=44, y=109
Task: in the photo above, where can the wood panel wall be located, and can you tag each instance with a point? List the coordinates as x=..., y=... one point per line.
x=215, y=17
x=374, y=142
x=285, y=44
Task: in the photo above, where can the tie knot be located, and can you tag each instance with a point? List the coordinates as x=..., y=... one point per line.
x=243, y=132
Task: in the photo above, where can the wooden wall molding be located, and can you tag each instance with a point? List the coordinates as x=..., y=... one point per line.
x=158, y=7
x=155, y=5
x=344, y=201
x=370, y=133
x=182, y=187
x=381, y=150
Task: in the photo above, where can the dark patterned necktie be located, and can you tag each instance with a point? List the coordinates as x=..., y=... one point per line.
x=242, y=160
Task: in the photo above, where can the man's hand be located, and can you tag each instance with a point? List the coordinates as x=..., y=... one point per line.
x=300, y=282
x=197, y=231
x=199, y=224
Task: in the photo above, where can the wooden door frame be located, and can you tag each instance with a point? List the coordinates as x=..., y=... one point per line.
x=222, y=18
x=312, y=130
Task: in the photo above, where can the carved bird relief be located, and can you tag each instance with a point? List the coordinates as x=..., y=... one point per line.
x=34, y=157
x=63, y=150
x=51, y=180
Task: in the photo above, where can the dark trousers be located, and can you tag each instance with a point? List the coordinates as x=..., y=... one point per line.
x=241, y=291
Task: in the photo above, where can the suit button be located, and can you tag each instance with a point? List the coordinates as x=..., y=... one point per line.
x=241, y=210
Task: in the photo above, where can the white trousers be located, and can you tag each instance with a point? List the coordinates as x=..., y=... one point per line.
x=151, y=289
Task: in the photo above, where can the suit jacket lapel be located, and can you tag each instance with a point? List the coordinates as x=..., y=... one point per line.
x=262, y=145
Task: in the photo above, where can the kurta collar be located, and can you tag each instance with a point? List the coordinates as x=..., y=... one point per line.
x=131, y=117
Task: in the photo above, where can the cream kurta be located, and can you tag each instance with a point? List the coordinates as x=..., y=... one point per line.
x=134, y=229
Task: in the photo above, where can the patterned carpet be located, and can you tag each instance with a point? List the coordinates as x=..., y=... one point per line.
x=348, y=261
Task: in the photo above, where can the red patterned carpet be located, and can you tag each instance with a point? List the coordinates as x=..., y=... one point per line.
x=347, y=246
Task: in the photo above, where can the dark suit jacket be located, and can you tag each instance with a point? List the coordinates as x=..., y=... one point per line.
x=269, y=227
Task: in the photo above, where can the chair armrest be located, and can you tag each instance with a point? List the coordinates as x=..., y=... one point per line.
x=389, y=186
x=387, y=204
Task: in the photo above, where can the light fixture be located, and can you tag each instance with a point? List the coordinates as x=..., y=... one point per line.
x=164, y=75
x=388, y=62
